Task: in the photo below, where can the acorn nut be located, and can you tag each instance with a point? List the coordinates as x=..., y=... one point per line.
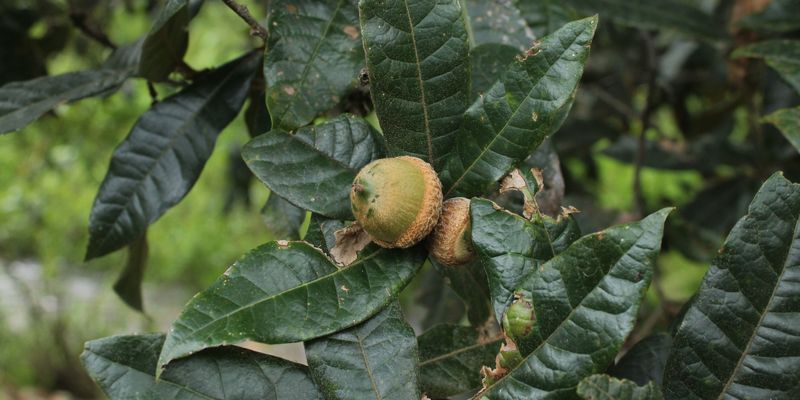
x=451, y=243
x=397, y=200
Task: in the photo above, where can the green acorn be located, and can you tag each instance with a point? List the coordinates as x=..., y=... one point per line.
x=450, y=243
x=519, y=320
x=397, y=200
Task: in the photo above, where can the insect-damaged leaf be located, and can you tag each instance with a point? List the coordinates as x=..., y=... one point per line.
x=284, y=292
x=312, y=58
x=527, y=104
x=741, y=334
x=163, y=155
x=417, y=58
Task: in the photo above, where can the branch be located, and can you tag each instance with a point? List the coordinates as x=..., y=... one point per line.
x=650, y=105
x=79, y=20
x=241, y=10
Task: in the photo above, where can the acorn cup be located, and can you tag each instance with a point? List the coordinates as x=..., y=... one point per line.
x=397, y=200
x=450, y=243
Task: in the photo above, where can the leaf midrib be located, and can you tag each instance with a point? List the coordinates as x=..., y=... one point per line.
x=423, y=101
x=511, y=118
x=367, y=367
x=746, y=350
x=458, y=351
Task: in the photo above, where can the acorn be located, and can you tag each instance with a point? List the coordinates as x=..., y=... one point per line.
x=451, y=243
x=397, y=200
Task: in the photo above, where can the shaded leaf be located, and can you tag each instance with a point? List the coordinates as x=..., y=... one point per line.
x=787, y=121
x=163, y=155
x=24, y=102
x=125, y=367
x=488, y=62
x=780, y=15
x=284, y=292
x=740, y=336
x=451, y=357
x=166, y=43
x=129, y=283
x=645, y=361
x=497, y=22
x=526, y=105
x=782, y=55
x=604, y=387
x=125, y=57
x=545, y=16
x=417, y=59
x=376, y=359
x=584, y=303
x=510, y=247
x=550, y=196
x=312, y=58
x=315, y=167
x=321, y=231
x=655, y=14
x=283, y=219
x=469, y=282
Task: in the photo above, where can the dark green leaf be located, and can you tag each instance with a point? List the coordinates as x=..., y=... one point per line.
x=545, y=16
x=285, y=292
x=655, y=14
x=129, y=284
x=376, y=359
x=604, y=387
x=125, y=58
x=780, y=15
x=312, y=58
x=125, y=367
x=321, y=231
x=451, y=358
x=526, y=105
x=510, y=246
x=166, y=43
x=488, y=62
x=469, y=282
x=283, y=218
x=585, y=301
x=645, y=361
x=741, y=335
x=787, y=121
x=782, y=55
x=660, y=155
x=417, y=57
x=497, y=22
x=163, y=155
x=24, y=102
x=256, y=116
x=315, y=167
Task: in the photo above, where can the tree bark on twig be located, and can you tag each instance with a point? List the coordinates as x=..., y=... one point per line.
x=241, y=10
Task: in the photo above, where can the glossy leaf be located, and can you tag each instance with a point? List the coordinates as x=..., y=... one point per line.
x=527, y=104
x=469, y=282
x=604, y=387
x=321, y=231
x=24, y=102
x=166, y=43
x=451, y=357
x=376, y=359
x=163, y=155
x=417, y=58
x=284, y=292
x=655, y=14
x=315, y=167
x=787, y=121
x=497, y=22
x=645, y=361
x=129, y=283
x=585, y=301
x=781, y=55
x=510, y=247
x=125, y=366
x=488, y=62
x=283, y=219
x=779, y=15
x=740, y=336
x=312, y=58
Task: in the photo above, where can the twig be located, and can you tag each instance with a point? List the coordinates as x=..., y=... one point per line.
x=79, y=20
x=241, y=10
x=652, y=91
x=151, y=88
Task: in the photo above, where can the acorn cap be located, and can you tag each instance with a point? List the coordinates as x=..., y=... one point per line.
x=451, y=243
x=397, y=200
